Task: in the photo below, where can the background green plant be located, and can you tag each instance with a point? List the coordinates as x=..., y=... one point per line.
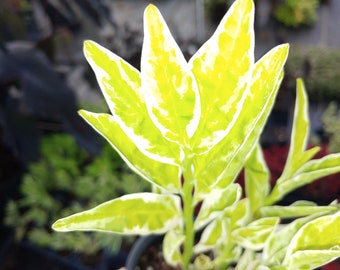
x=295, y=13
x=331, y=125
x=65, y=180
x=319, y=67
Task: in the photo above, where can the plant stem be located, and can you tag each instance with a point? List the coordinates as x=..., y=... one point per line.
x=188, y=211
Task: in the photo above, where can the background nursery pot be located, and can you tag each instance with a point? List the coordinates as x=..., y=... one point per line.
x=189, y=128
x=139, y=249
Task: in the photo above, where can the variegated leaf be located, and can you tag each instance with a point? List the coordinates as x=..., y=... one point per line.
x=161, y=174
x=169, y=88
x=213, y=235
x=255, y=235
x=309, y=172
x=257, y=178
x=297, y=156
x=138, y=214
x=216, y=202
x=172, y=242
x=222, y=68
x=121, y=86
x=220, y=166
x=315, y=244
x=276, y=246
x=293, y=211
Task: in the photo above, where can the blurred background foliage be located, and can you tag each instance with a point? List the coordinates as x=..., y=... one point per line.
x=65, y=180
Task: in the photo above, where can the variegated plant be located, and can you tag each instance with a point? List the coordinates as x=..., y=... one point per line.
x=189, y=128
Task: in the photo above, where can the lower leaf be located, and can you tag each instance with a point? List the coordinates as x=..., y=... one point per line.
x=140, y=213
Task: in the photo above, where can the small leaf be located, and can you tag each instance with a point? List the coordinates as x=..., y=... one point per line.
x=158, y=173
x=222, y=68
x=140, y=213
x=315, y=244
x=121, y=86
x=257, y=183
x=276, y=246
x=255, y=234
x=216, y=202
x=213, y=235
x=169, y=88
x=311, y=171
x=172, y=243
x=300, y=131
x=293, y=211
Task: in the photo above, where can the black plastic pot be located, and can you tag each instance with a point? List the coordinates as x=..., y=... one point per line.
x=139, y=248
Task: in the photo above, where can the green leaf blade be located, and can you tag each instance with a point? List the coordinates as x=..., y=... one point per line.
x=309, y=172
x=222, y=87
x=140, y=213
x=216, y=203
x=161, y=174
x=221, y=164
x=297, y=156
x=121, y=86
x=257, y=178
x=315, y=244
x=169, y=87
x=255, y=235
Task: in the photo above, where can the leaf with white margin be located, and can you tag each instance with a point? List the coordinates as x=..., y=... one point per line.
x=120, y=84
x=293, y=211
x=213, y=235
x=315, y=244
x=222, y=68
x=309, y=172
x=256, y=174
x=247, y=260
x=163, y=175
x=276, y=247
x=172, y=243
x=169, y=88
x=216, y=202
x=239, y=213
x=134, y=214
x=220, y=166
x=255, y=235
x=297, y=156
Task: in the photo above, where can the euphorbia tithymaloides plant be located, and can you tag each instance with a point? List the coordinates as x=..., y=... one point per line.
x=189, y=128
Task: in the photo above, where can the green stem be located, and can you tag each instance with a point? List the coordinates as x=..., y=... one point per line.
x=188, y=210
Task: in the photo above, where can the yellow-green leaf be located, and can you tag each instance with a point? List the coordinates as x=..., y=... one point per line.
x=172, y=242
x=222, y=68
x=216, y=202
x=169, y=88
x=220, y=166
x=121, y=86
x=297, y=156
x=255, y=235
x=315, y=244
x=257, y=183
x=309, y=172
x=140, y=213
x=276, y=246
x=161, y=174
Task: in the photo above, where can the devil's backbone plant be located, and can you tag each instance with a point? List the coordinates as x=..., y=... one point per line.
x=189, y=128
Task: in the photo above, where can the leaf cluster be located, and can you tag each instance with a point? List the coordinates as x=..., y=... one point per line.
x=189, y=128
